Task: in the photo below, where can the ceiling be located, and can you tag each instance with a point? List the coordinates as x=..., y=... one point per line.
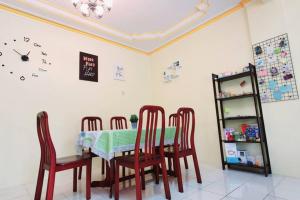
x=142, y=24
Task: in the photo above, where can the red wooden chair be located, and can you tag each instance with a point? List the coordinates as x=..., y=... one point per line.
x=173, y=120
x=91, y=124
x=149, y=156
x=52, y=164
x=117, y=123
x=173, y=123
x=184, y=144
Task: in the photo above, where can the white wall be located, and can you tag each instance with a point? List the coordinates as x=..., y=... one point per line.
x=267, y=20
x=226, y=46
x=222, y=46
x=59, y=92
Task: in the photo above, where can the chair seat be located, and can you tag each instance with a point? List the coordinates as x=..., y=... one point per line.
x=69, y=162
x=72, y=159
x=170, y=148
x=86, y=151
x=170, y=151
x=128, y=160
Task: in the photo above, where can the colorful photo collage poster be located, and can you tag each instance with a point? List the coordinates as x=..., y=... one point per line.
x=275, y=70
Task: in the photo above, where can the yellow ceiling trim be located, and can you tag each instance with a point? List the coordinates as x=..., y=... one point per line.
x=244, y=2
x=202, y=26
x=90, y=35
x=68, y=28
x=90, y=19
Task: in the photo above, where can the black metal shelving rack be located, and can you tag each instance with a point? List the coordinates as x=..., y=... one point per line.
x=221, y=120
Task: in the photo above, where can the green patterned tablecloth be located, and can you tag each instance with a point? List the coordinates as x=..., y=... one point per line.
x=108, y=142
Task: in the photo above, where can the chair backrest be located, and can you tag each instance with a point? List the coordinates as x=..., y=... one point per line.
x=173, y=119
x=118, y=122
x=48, y=153
x=91, y=124
x=185, y=129
x=149, y=117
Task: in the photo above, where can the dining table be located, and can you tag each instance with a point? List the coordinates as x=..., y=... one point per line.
x=109, y=143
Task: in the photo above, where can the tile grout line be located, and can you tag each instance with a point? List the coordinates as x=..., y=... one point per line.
x=227, y=195
x=274, y=189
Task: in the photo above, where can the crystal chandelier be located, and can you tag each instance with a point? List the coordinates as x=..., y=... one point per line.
x=97, y=7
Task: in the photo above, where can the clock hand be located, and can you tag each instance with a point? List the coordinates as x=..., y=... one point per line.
x=23, y=57
x=17, y=52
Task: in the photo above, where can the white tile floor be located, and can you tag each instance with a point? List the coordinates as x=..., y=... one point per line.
x=217, y=184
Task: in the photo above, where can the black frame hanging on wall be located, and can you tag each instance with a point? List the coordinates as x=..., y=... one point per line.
x=88, y=67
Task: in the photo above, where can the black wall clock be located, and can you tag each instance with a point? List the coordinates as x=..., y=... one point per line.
x=24, y=58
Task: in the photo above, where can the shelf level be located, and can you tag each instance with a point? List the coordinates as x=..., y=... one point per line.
x=239, y=117
x=237, y=97
x=244, y=165
x=235, y=76
x=226, y=141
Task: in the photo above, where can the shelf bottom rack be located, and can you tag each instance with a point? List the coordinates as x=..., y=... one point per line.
x=244, y=167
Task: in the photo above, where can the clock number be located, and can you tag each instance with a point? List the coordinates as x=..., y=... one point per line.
x=35, y=75
x=44, y=61
x=22, y=78
x=44, y=53
x=0, y=53
x=37, y=45
x=42, y=70
x=26, y=39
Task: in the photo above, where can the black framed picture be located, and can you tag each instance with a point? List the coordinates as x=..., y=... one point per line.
x=88, y=67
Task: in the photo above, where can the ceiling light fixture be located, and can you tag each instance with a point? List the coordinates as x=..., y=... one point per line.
x=97, y=7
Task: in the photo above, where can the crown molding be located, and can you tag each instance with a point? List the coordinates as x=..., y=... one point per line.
x=9, y=9
x=46, y=5
x=200, y=27
x=127, y=37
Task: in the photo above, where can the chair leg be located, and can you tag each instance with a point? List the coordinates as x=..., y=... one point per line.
x=80, y=168
x=39, y=184
x=178, y=173
x=174, y=166
x=156, y=171
x=123, y=169
x=88, y=179
x=138, y=184
x=75, y=179
x=186, y=162
x=170, y=164
x=117, y=181
x=50, y=187
x=143, y=178
x=111, y=171
x=196, y=165
x=80, y=172
x=103, y=165
x=165, y=179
